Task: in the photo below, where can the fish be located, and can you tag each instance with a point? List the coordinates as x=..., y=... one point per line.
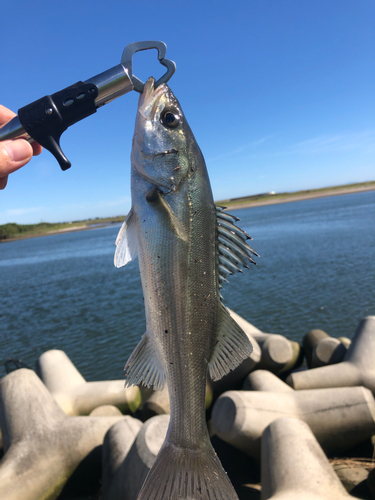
x=186, y=247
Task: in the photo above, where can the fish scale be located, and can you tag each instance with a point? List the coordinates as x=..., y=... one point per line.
x=173, y=227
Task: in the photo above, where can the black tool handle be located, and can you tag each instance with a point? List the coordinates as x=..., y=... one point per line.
x=47, y=118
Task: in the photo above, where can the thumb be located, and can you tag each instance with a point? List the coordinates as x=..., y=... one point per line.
x=14, y=155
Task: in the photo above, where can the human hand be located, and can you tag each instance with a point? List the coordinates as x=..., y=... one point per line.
x=14, y=154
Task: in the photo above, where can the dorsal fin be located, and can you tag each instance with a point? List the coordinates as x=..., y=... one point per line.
x=233, y=251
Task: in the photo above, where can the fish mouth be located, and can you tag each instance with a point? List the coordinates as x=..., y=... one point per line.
x=149, y=100
x=154, y=154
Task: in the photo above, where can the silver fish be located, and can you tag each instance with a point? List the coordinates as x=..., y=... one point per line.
x=186, y=247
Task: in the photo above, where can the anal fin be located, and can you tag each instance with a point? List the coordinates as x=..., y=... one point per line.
x=144, y=367
x=232, y=346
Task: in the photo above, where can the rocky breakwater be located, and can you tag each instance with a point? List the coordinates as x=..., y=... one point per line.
x=66, y=438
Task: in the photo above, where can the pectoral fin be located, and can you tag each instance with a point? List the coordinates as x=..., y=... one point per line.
x=126, y=241
x=144, y=367
x=232, y=346
x=156, y=198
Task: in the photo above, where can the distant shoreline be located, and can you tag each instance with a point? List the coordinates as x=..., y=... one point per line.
x=83, y=227
x=232, y=204
x=290, y=197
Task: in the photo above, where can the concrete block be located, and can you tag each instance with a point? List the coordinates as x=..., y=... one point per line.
x=106, y=411
x=129, y=467
x=328, y=352
x=263, y=380
x=350, y=475
x=339, y=418
x=309, y=341
x=321, y=349
x=78, y=397
x=279, y=354
x=117, y=443
x=345, y=341
x=156, y=404
x=294, y=467
x=357, y=367
x=42, y=445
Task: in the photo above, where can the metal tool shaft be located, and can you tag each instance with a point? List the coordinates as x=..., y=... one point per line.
x=45, y=119
x=111, y=84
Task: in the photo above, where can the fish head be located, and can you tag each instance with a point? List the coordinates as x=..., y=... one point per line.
x=161, y=139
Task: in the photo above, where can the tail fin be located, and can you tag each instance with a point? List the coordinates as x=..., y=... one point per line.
x=183, y=474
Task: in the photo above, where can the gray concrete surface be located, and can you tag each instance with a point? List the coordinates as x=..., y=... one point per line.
x=294, y=466
x=106, y=411
x=263, y=380
x=356, y=369
x=43, y=446
x=320, y=349
x=278, y=353
x=129, y=466
x=78, y=397
x=117, y=444
x=339, y=418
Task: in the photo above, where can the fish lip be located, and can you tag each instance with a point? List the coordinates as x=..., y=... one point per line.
x=149, y=99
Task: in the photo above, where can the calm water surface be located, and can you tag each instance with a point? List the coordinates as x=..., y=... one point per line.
x=316, y=270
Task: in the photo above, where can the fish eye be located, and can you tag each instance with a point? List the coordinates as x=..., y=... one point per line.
x=170, y=119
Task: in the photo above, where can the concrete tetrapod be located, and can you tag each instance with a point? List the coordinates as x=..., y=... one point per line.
x=321, y=349
x=117, y=443
x=357, y=367
x=278, y=353
x=42, y=445
x=128, y=468
x=263, y=380
x=106, y=411
x=294, y=467
x=339, y=417
x=78, y=397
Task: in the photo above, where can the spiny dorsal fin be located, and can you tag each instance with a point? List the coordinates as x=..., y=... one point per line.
x=233, y=251
x=144, y=367
x=126, y=242
x=232, y=346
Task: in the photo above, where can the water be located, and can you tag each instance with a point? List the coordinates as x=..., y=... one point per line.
x=316, y=270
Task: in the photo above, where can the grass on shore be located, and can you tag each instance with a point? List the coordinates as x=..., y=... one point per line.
x=17, y=231
x=264, y=197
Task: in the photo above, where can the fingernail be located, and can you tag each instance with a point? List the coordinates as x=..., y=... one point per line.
x=18, y=150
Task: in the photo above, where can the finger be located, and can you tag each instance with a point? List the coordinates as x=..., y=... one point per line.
x=3, y=182
x=5, y=116
x=37, y=148
x=14, y=155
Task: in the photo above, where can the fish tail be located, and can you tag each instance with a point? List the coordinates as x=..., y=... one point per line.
x=184, y=474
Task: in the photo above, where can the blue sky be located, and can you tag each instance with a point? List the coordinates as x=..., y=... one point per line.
x=279, y=94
